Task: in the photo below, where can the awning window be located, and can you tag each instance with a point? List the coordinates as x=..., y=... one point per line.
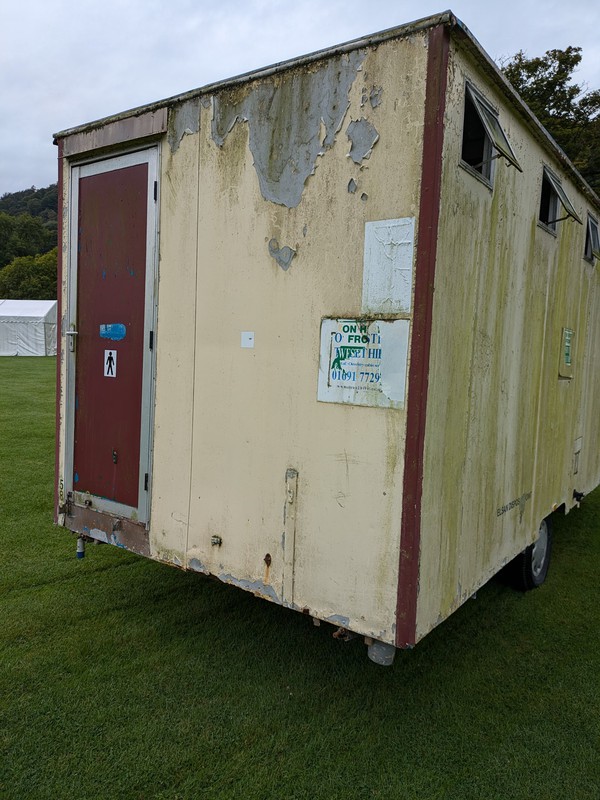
x=592, y=240
x=491, y=123
x=563, y=198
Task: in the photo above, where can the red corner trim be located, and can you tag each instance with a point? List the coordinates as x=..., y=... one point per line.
x=59, y=272
x=431, y=175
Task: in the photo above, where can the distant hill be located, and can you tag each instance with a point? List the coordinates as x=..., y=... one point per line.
x=42, y=203
x=28, y=222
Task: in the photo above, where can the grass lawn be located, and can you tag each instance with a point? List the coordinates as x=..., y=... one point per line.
x=123, y=678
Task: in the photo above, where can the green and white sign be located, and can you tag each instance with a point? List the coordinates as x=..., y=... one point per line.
x=363, y=362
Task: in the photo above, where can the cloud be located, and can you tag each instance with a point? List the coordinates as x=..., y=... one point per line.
x=70, y=62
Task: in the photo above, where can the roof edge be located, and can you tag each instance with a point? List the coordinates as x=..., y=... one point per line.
x=491, y=69
x=397, y=32
x=458, y=30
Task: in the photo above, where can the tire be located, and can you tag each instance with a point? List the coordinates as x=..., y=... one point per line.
x=530, y=567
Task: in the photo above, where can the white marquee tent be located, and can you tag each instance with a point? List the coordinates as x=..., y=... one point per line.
x=27, y=327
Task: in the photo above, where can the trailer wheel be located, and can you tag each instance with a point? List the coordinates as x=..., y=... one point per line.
x=531, y=566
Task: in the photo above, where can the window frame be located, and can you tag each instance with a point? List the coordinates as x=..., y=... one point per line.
x=496, y=144
x=559, y=196
x=592, y=240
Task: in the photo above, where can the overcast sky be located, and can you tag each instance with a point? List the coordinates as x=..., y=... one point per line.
x=66, y=62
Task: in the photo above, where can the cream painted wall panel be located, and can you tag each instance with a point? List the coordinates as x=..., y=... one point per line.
x=175, y=351
x=255, y=410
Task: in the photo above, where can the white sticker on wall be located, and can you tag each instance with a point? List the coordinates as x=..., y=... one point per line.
x=110, y=363
x=364, y=363
x=388, y=266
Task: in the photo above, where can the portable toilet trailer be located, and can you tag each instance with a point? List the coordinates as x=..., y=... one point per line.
x=328, y=332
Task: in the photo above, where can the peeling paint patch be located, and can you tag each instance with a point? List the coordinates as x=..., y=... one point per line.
x=96, y=533
x=363, y=136
x=256, y=587
x=114, y=539
x=183, y=120
x=197, y=566
x=287, y=116
x=352, y=186
x=283, y=256
x=375, y=96
x=338, y=619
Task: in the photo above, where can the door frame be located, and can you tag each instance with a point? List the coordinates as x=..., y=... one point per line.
x=149, y=156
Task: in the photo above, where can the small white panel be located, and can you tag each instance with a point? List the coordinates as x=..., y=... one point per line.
x=110, y=363
x=363, y=363
x=248, y=339
x=388, y=266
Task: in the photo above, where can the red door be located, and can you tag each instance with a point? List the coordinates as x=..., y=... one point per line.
x=112, y=331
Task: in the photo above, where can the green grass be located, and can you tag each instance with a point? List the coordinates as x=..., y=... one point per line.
x=123, y=678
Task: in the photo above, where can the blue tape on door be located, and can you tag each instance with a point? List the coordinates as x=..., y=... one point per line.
x=115, y=331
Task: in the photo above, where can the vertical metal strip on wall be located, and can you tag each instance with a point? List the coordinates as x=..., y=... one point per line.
x=59, y=272
x=431, y=178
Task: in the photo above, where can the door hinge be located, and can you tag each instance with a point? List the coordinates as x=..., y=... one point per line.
x=146, y=482
x=151, y=340
x=155, y=191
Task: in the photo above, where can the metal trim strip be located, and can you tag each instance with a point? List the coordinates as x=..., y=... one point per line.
x=429, y=209
x=59, y=338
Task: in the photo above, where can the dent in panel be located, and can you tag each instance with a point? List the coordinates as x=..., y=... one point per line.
x=293, y=118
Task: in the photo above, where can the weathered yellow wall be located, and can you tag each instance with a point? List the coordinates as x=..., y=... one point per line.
x=255, y=411
x=500, y=424
x=172, y=454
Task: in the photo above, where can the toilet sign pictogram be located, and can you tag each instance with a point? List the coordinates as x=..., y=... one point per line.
x=110, y=363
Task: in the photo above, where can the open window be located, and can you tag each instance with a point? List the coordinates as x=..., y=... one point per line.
x=592, y=240
x=483, y=137
x=555, y=205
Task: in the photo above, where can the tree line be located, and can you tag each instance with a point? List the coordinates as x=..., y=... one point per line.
x=28, y=252
x=568, y=111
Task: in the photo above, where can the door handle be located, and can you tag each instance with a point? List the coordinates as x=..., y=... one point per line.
x=72, y=334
